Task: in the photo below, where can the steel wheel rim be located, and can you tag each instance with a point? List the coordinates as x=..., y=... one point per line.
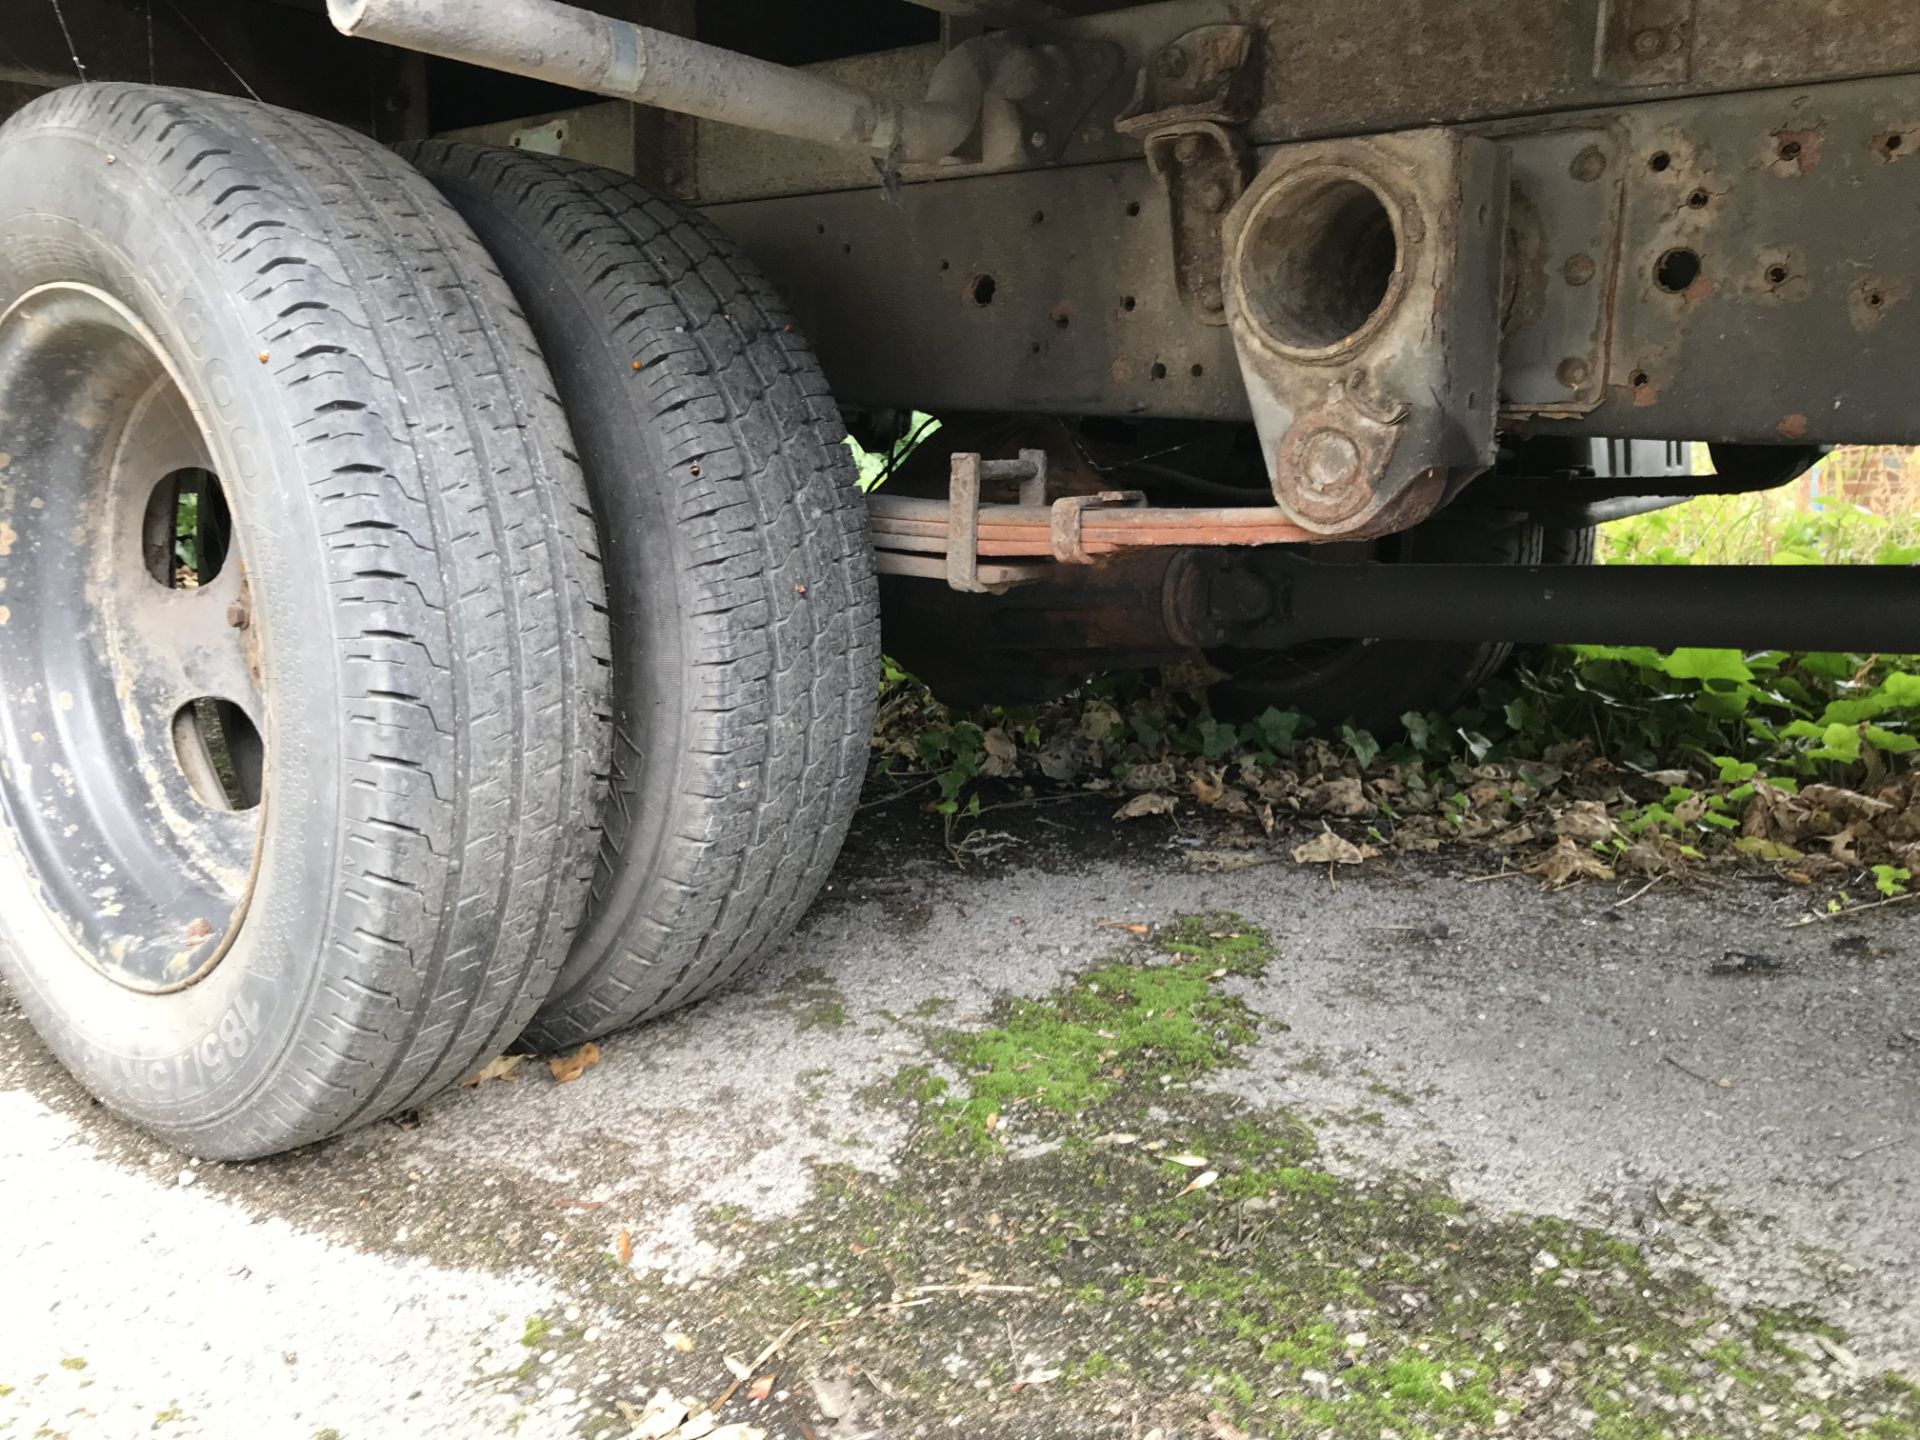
x=133, y=712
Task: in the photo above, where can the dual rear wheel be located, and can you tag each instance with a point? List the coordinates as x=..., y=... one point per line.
x=372, y=688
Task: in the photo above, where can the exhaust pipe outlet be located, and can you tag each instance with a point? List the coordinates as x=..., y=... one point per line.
x=565, y=45
x=1363, y=290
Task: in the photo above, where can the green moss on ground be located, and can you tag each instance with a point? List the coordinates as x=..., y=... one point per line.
x=1041, y=1260
x=1093, y=1041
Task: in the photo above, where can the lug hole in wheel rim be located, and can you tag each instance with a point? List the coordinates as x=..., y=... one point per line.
x=188, y=529
x=219, y=751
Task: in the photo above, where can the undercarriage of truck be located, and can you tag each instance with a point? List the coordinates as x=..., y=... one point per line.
x=437, y=601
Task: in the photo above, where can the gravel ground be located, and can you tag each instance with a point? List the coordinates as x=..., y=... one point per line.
x=461, y=1273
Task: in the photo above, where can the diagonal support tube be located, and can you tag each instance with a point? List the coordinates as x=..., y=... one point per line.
x=565, y=45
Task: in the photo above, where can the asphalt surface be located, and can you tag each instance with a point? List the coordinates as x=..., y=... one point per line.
x=1572, y=1054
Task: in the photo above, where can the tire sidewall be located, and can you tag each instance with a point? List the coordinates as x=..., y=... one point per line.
x=178, y=1063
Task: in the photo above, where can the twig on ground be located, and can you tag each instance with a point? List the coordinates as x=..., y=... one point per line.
x=1866, y=1150
x=1818, y=916
x=1622, y=904
x=897, y=795
x=1496, y=875
x=765, y=1355
x=971, y=1287
x=1698, y=1075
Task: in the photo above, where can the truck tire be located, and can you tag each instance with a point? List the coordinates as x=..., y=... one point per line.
x=1372, y=683
x=301, y=778
x=740, y=576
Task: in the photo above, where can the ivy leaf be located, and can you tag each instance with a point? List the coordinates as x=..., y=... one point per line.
x=1696, y=664
x=1277, y=728
x=1838, y=742
x=1893, y=742
x=1902, y=688
x=1361, y=743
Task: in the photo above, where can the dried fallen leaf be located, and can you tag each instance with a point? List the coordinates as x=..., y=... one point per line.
x=623, y=1247
x=663, y=1416
x=678, y=1340
x=501, y=1067
x=1201, y=1181
x=761, y=1388
x=993, y=1122
x=1222, y=1428
x=1036, y=1377
x=1208, y=784
x=737, y=1431
x=1327, y=848
x=1188, y=1159
x=1566, y=861
x=1151, y=803
x=1115, y=1137
x=737, y=1367
x=572, y=1067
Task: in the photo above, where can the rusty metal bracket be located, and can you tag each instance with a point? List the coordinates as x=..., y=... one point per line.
x=1069, y=546
x=1210, y=73
x=963, y=510
x=1184, y=101
x=1203, y=169
x=1363, y=291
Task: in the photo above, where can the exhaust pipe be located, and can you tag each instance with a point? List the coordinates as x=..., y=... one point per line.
x=565, y=45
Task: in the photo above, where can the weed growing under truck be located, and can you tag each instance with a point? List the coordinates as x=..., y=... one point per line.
x=438, y=605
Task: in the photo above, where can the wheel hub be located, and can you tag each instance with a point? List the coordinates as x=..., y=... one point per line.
x=132, y=705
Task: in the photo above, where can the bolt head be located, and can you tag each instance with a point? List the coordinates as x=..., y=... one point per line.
x=1573, y=372
x=1329, y=461
x=1649, y=42
x=1579, y=270
x=1589, y=165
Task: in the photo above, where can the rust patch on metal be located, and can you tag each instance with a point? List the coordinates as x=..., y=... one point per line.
x=1890, y=145
x=199, y=930
x=1871, y=299
x=1699, y=290
x=1645, y=393
x=1793, y=427
x=1122, y=369
x=1793, y=152
x=7, y=536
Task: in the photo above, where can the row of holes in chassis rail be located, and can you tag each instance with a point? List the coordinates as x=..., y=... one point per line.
x=1736, y=266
